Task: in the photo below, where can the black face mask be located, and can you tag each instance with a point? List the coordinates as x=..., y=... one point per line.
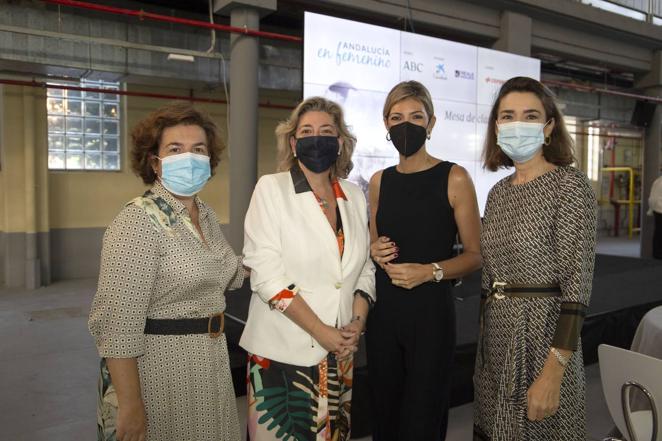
x=317, y=153
x=408, y=138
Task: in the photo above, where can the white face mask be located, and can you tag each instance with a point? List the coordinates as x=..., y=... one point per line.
x=519, y=140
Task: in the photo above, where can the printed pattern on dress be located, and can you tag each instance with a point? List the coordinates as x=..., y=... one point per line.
x=541, y=232
x=153, y=265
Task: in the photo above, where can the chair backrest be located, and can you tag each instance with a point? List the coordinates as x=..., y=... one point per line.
x=619, y=367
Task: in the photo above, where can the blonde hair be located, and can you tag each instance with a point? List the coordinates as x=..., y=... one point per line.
x=409, y=89
x=286, y=129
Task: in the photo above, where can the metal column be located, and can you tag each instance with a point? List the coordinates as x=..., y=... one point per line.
x=243, y=109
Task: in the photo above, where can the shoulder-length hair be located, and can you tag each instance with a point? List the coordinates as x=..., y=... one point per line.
x=146, y=136
x=558, y=148
x=287, y=129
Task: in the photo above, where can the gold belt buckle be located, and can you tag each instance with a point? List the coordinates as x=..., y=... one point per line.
x=498, y=286
x=221, y=326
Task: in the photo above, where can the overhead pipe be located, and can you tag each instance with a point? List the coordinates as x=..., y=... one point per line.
x=606, y=135
x=585, y=88
x=109, y=42
x=44, y=85
x=144, y=15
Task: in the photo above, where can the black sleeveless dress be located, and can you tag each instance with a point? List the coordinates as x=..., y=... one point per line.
x=411, y=333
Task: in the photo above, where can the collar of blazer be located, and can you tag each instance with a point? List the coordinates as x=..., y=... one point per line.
x=302, y=186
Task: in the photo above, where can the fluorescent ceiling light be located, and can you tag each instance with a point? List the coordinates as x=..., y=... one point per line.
x=181, y=57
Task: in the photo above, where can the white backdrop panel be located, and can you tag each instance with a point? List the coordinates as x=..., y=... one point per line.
x=356, y=64
x=337, y=50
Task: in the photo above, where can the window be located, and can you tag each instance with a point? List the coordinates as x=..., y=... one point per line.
x=83, y=128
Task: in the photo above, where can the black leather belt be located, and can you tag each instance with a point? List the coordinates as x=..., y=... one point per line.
x=502, y=290
x=213, y=326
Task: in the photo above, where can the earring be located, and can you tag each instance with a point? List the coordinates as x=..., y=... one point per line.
x=338, y=152
x=548, y=139
x=388, y=136
x=429, y=135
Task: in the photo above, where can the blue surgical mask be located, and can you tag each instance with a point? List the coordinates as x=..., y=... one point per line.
x=185, y=174
x=519, y=140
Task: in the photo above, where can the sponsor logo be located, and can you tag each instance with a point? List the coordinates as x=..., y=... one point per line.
x=494, y=81
x=440, y=71
x=413, y=66
x=464, y=75
x=348, y=52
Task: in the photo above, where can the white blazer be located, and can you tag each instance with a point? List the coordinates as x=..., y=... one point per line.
x=288, y=240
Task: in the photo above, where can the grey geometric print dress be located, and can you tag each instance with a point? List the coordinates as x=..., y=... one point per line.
x=154, y=264
x=541, y=232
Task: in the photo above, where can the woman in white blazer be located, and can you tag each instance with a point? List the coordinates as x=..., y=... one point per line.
x=307, y=244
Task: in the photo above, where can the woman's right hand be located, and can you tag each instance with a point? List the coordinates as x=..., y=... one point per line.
x=131, y=424
x=329, y=337
x=383, y=250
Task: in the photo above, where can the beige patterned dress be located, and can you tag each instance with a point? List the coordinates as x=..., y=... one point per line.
x=541, y=232
x=154, y=264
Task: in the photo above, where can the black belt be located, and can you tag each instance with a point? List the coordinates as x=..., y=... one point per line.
x=501, y=290
x=213, y=326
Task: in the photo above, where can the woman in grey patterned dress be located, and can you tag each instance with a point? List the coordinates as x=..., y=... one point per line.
x=538, y=246
x=157, y=316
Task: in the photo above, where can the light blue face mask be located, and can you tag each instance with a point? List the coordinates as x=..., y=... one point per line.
x=519, y=140
x=185, y=174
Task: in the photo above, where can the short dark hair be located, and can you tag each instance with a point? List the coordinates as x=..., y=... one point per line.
x=559, y=149
x=146, y=136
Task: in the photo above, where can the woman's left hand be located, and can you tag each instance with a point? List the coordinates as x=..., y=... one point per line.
x=351, y=333
x=408, y=275
x=543, y=397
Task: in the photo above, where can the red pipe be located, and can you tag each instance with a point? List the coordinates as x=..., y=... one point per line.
x=127, y=93
x=142, y=15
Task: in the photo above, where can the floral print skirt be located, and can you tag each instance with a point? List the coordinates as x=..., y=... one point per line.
x=297, y=403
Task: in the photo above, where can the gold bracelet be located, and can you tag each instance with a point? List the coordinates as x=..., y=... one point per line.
x=563, y=361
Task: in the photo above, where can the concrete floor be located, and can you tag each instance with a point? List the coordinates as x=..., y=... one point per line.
x=48, y=370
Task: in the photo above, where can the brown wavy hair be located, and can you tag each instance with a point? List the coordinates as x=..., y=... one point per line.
x=146, y=136
x=558, y=148
x=286, y=129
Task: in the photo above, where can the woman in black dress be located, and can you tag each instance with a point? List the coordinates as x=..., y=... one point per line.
x=417, y=207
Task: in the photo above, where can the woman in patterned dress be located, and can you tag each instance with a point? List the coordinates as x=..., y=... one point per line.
x=538, y=245
x=157, y=316
x=306, y=242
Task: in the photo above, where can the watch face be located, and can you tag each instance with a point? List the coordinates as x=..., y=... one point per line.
x=438, y=275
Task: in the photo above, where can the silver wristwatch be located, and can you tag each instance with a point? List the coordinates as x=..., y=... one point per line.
x=437, y=273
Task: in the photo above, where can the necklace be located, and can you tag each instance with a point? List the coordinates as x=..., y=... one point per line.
x=323, y=203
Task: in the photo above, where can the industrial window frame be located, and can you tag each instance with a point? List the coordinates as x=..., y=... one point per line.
x=84, y=128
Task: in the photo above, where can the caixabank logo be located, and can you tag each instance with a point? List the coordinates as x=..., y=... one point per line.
x=439, y=72
x=464, y=74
